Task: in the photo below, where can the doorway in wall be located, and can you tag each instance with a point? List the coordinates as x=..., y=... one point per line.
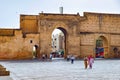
x=101, y=47
x=58, y=42
x=35, y=49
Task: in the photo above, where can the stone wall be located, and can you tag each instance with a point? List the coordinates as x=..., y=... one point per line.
x=81, y=33
x=110, y=23
x=115, y=45
x=87, y=44
x=99, y=24
x=90, y=24
x=17, y=47
x=67, y=23
x=29, y=23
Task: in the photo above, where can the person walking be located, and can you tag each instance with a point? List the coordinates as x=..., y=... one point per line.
x=43, y=57
x=51, y=57
x=85, y=62
x=90, y=61
x=68, y=57
x=72, y=59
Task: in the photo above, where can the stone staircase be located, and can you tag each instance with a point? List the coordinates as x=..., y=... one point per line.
x=3, y=71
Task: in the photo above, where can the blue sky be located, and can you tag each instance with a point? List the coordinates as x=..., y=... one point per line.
x=11, y=9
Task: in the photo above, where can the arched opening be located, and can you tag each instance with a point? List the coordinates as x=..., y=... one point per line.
x=59, y=42
x=35, y=49
x=101, y=47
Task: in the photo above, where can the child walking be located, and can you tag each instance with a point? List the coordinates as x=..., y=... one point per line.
x=85, y=62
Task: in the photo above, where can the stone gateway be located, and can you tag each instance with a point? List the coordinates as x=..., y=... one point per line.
x=96, y=34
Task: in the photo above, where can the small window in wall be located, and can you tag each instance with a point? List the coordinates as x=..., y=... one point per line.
x=31, y=41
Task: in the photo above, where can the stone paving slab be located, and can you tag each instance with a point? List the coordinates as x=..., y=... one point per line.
x=5, y=78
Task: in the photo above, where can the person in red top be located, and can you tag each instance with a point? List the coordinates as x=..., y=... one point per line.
x=90, y=61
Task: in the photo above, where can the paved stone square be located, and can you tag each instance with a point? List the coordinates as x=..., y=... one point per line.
x=62, y=70
x=5, y=78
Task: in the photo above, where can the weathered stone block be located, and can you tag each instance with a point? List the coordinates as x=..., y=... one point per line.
x=4, y=73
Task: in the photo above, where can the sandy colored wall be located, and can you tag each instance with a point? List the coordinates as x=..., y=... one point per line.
x=6, y=32
x=98, y=22
x=81, y=34
x=87, y=43
x=67, y=22
x=17, y=47
x=115, y=43
x=29, y=23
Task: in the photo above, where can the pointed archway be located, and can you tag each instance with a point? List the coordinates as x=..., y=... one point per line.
x=59, y=42
x=101, y=47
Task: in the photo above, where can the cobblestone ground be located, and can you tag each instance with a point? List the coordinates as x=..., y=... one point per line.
x=62, y=70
